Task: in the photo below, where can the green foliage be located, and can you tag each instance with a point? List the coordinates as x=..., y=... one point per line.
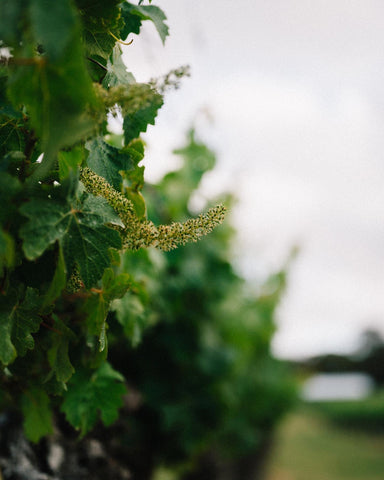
x=71, y=204
x=58, y=352
x=7, y=251
x=108, y=161
x=209, y=383
x=37, y=414
x=135, y=14
x=19, y=319
x=94, y=295
x=98, y=304
x=365, y=414
x=117, y=71
x=35, y=79
x=101, y=26
x=78, y=226
x=142, y=114
x=93, y=393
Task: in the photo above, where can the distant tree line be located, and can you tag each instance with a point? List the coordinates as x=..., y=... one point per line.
x=368, y=358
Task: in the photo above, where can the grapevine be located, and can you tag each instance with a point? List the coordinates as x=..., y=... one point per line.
x=71, y=201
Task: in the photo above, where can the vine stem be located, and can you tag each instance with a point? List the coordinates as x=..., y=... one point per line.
x=99, y=65
x=51, y=328
x=120, y=41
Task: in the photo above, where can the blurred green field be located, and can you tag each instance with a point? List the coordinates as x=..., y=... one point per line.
x=366, y=415
x=310, y=447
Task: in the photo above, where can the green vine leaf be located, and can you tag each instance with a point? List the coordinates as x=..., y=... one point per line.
x=135, y=177
x=54, y=86
x=10, y=25
x=78, y=226
x=133, y=314
x=58, y=353
x=69, y=161
x=117, y=73
x=11, y=138
x=18, y=320
x=55, y=37
x=37, y=414
x=137, y=120
x=102, y=23
x=97, y=311
x=59, y=281
x=9, y=188
x=7, y=251
x=8, y=351
x=108, y=161
x=93, y=393
x=115, y=286
x=134, y=15
x=97, y=306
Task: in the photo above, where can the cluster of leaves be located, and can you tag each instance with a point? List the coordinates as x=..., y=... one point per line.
x=210, y=387
x=71, y=202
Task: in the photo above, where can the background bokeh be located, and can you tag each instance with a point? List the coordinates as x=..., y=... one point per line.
x=290, y=95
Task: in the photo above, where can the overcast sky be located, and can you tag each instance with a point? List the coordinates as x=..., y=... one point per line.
x=296, y=92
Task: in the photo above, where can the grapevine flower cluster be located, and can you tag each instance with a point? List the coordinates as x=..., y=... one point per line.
x=138, y=233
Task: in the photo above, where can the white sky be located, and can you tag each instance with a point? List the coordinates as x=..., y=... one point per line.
x=296, y=91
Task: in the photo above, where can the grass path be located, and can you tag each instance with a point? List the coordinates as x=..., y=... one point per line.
x=309, y=448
